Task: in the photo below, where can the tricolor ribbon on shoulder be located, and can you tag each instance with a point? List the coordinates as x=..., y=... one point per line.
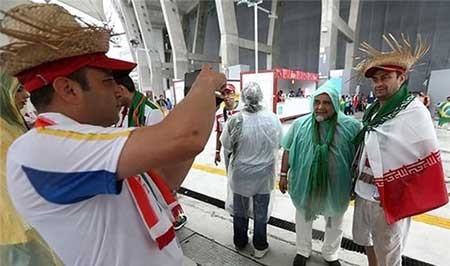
x=145, y=190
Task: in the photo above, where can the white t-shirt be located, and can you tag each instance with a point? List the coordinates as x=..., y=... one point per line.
x=62, y=180
x=365, y=190
x=220, y=118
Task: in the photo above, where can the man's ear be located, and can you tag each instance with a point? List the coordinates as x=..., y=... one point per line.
x=68, y=90
x=402, y=78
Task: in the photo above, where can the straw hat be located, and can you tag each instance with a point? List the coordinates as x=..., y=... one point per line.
x=402, y=57
x=41, y=33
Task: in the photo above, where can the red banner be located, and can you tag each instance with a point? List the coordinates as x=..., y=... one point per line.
x=289, y=74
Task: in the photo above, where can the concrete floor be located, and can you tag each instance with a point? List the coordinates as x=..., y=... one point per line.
x=207, y=240
x=425, y=241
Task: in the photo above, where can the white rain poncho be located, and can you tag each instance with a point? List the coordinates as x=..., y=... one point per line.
x=252, y=137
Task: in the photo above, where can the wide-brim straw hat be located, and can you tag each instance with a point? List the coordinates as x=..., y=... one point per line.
x=401, y=58
x=41, y=33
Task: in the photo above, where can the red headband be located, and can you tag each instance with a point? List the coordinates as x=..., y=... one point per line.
x=388, y=68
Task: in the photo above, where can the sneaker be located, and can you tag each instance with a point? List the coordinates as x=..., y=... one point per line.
x=180, y=222
x=260, y=253
x=299, y=260
x=333, y=263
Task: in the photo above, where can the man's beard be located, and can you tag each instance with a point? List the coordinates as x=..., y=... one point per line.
x=319, y=118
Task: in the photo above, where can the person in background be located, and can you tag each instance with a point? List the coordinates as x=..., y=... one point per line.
x=149, y=94
x=348, y=106
x=443, y=111
x=162, y=103
x=169, y=104
x=280, y=97
x=370, y=98
x=231, y=108
x=355, y=103
x=363, y=103
x=26, y=108
x=137, y=109
x=252, y=137
x=20, y=244
x=342, y=104
x=291, y=94
x=424, y=99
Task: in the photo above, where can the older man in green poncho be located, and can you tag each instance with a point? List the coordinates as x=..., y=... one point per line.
x=316, y=170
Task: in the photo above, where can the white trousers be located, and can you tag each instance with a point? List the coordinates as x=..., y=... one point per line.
x=332, y=241
x=371, y=229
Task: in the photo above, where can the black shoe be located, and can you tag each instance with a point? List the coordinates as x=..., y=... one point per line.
x=333, y=263
x=299, y=260
x=180, y=222
x=240, y=247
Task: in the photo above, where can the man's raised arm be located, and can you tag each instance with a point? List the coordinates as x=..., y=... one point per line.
x=180, y=136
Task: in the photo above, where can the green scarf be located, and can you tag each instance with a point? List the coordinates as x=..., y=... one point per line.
x=318, y=181
x=136, y=114
x=398, y=102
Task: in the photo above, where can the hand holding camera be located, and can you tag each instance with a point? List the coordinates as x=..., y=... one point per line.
x=206, y=75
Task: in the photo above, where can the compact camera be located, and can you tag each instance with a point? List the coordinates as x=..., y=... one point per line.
x=189, y=79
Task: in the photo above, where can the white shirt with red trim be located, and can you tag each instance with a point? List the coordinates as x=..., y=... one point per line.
x=220, y=118
x=62, y=180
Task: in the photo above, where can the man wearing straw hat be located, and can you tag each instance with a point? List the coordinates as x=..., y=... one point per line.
x=74, y=178
x=399, y=167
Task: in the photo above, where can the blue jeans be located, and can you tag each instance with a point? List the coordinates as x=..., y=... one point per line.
x=240, y=220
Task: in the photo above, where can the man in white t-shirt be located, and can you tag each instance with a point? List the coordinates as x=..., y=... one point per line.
x=73, y=177
x=231, y=107
x=399, y=167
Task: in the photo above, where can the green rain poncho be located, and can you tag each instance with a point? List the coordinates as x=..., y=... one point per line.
x=313, y=190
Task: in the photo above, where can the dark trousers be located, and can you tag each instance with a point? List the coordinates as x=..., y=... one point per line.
x=240, y=220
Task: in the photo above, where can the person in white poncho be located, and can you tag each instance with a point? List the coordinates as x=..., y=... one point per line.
x=399, y=166
x=253, y=138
